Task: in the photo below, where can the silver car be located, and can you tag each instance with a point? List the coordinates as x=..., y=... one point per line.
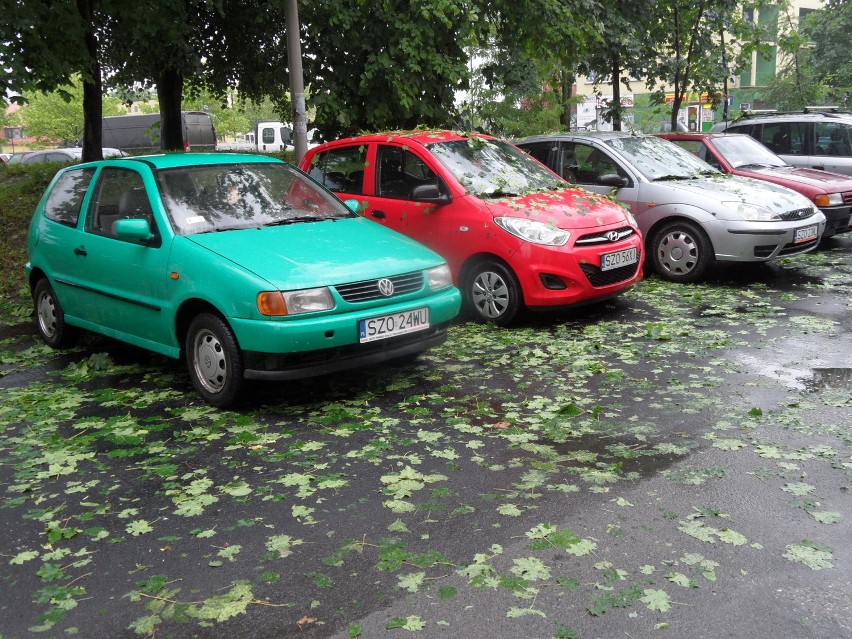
x=66, y=155
x=816, y=138
x=690, y=214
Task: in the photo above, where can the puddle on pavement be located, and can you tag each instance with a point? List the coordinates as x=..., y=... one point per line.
x=630, y=455
x=790, y=377
x=823, y=378
x=777, y=276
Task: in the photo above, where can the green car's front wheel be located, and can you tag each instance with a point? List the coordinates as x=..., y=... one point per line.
x=214, y=360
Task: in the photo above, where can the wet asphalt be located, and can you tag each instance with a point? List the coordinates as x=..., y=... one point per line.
x=673, y=463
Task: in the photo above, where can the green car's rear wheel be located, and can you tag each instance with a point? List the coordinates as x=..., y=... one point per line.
x=50, y=318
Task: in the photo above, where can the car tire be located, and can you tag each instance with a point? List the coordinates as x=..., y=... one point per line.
x=214, y=360
x=492, y=293
x=50, y=318
x=681, y=252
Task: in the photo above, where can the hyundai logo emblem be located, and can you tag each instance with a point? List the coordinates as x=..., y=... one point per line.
x=385, y=287
x=613, y=236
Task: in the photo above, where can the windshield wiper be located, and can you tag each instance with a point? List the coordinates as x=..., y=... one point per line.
x=497, y=194
x=296, y=219
x=664, y=178
x=759, y=165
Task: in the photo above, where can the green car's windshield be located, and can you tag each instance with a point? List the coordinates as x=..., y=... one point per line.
x=659, y=159
x=224, y=197
x=491, y=168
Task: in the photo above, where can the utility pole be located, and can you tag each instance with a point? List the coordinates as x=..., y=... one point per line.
x=297, y=82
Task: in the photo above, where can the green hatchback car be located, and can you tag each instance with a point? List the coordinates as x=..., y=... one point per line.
x=240, y=264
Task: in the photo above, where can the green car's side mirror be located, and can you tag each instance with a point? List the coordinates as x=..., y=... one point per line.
x=353, y=205
x=133, y=229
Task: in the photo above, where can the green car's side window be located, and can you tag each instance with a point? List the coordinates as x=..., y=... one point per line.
x=66, y=198
x=119, y=194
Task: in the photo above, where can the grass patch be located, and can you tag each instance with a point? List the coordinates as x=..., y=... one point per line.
x=21, y=187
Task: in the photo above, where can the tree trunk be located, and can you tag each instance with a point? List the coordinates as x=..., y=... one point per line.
x=92, y=89
x=170, y=95
x=615, y=105
x=567, y=82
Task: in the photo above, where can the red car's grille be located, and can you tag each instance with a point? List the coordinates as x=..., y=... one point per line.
x=600, y=278
x=606, y=237
x=847, y=197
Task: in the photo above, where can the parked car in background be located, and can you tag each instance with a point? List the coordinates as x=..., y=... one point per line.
x=816, y=137
x=741, y=154
x=70, y=154
x=690, y=214
x=239, y=263
x=16, y=157
x=514, y=234
x=4, y=157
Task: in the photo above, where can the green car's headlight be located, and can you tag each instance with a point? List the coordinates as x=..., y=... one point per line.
x=309, y=300
x=533, y=231
x=440, y=277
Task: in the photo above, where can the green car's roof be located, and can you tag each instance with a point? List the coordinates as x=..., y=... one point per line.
x=174, y=160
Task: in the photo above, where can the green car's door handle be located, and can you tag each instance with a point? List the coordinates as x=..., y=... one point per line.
x=80, y=251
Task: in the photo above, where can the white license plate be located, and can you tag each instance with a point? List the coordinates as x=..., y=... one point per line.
x=617, y=259
x=806, y=234
x=384, y=326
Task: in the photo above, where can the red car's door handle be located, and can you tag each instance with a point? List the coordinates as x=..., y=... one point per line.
x=378, y=214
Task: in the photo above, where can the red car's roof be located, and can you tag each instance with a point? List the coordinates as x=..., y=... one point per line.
x=420, y=136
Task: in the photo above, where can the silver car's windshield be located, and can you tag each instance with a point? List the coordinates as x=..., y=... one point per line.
x=744, y=151
x=659, y=159
x=491, y=168
x=224, y=197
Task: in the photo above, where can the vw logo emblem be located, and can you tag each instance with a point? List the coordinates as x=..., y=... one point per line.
x=613, y=236
x=385, y=287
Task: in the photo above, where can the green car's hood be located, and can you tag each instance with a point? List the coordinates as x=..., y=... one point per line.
x=309, y=254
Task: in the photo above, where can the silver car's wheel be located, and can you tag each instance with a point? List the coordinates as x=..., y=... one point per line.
x=492, y=293
x=681, y=252
x=214, y=360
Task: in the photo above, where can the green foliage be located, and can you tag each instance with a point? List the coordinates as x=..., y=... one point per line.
x=814, y=556
x=21, y=187
x=829, y=30
x=56, y=118
x=408, y=67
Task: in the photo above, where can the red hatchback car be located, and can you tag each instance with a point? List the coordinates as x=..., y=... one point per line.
x=741, y=154
x=513, y=232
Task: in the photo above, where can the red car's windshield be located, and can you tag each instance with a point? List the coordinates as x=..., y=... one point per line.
x=491, y=168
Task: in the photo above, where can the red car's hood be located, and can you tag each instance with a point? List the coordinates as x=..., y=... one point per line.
x=567, y=209
x=829, y=182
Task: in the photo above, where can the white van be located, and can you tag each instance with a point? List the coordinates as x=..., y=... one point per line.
x=271, y=137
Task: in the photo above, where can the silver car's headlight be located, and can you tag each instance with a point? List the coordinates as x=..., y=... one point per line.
x=533, y=231
x=753, y=212
x=440, y=277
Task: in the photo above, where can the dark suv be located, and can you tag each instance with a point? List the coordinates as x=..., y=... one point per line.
x=816, y=137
